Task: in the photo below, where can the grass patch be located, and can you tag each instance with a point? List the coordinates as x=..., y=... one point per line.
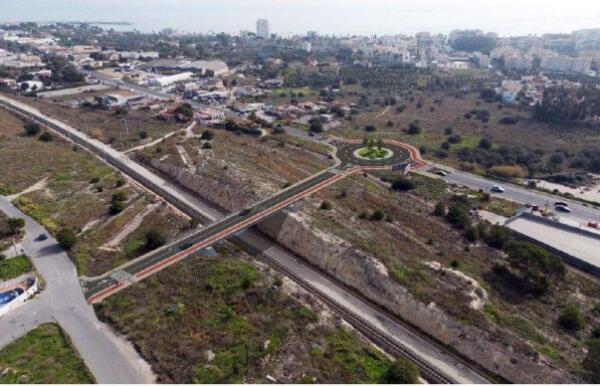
x=15, y=267
x=44, y=355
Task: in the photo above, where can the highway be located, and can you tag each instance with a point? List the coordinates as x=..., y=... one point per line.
x=437, y=363
x=580, y=212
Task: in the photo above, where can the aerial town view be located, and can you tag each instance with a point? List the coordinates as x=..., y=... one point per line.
x=287, y=192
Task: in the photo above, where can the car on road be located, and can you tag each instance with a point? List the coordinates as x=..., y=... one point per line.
x=498, y=189
x=42, y=237
x=563, y=208
x=561, y=203
x=185, y=246
x=441, y=173
x=245, y=212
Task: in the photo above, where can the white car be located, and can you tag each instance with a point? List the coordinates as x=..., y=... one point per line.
x=498, y=189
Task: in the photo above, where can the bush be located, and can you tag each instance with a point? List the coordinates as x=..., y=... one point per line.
x=378, y=215
x=402, y=371
x=208, y=135
x=440, y=209
x=448, y=130
x=66, y=238
x=507, y=171
x=508, y=120
x=485, y=143
x=498, y=237
x=32, y=129
x=571, y=318
x=414, y=128
x=591, y=363
x=445, y=146
x=46, y=137
x=116, y=207
x=596, y=332
x=458, y=214
x=207, y=145
x=119, y=196
x=533, y=268
x=15, y=224
x=455, y=138
x=472, y=233
x=325, y=205
x=423, y=149
x=154, y=239
x=402, y=184
x=370, y=128
x=143, y=134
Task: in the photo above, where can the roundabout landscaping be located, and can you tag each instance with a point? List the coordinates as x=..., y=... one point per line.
x=373, y=153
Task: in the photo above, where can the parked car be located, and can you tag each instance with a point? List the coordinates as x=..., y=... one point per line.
x=42, y=237
x=498, y=189
x=561, y=203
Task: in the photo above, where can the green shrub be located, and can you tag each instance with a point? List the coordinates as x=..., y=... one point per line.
x=591, y=363
x=402, y=184
x=571, y=318
x=402, y=371
x=66, y=238
x=378, y=215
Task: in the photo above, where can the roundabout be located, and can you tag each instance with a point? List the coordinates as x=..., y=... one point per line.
x=355, y=153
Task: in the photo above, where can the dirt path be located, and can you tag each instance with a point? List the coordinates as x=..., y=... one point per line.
x=130, y=227
x=381, y=114
x=41, y=184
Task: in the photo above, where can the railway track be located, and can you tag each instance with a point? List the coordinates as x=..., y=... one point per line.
x=392, y=347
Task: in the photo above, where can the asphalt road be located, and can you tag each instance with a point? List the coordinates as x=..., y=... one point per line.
x=110, y=358
x=522, y=195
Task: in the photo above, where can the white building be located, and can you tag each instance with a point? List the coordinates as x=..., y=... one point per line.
x=163, y=81
x=263, y=28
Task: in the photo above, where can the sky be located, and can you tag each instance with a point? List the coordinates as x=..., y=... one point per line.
x=340, y=17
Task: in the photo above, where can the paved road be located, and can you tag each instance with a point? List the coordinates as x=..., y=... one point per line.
x=109, y=358
x=522, y=195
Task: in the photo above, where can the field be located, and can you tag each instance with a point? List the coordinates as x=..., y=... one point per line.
x=439, y=110
x=122, y=131
x=14, y=267
x=44, y=355
x=75, y=191
x=234, y=323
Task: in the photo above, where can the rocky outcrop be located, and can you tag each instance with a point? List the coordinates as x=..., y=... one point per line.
x=492, y=348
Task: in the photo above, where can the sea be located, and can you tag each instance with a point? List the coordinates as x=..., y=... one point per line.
x=327, y=17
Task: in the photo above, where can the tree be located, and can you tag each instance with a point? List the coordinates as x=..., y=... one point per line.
x=402, y=371
x=448, y=130
x=15, y=224
x=184, y=112
x=402, y=184
x=32, y=129
x=66, y=238
x=154, y=239
x=315, y=125
x=571, y=318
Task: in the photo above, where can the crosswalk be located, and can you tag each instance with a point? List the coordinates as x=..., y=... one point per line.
x=121, y=275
